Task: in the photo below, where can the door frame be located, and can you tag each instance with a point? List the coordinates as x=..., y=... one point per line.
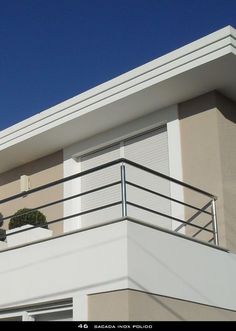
x=73, y=153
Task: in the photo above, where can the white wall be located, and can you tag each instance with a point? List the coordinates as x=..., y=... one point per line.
x=176, y=170
x=117, y=256
x=169, y=265
x=73, y=206
x=64, y=267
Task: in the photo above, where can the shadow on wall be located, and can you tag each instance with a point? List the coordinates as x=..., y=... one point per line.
x=209, y=101
x=31, y=168
x=41, y=171
x=164, y=308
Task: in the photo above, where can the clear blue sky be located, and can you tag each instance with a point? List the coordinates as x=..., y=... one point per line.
x=52, y=50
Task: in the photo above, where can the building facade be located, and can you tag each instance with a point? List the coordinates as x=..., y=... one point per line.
x=137, y=180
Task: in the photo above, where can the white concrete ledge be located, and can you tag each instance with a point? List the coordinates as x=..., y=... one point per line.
x=117, y=256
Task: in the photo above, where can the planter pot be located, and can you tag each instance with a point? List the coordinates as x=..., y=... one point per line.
x=26, y=236
x=3, y=245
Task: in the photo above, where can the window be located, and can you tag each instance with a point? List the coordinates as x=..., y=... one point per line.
x=149, y=149
x=57, y=311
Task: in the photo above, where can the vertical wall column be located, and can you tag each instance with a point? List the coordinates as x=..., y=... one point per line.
x=208, y=135
x=80, y=307
x=176, y=171
x=73, y=187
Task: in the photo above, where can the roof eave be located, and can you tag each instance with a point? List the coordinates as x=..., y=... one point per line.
x=204, y=65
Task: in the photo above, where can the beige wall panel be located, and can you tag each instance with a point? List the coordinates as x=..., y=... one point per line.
x=139, y=306
x=208, y=137
x=147, y=307
x=40, y=172
x=227, y=143
x=110, y=306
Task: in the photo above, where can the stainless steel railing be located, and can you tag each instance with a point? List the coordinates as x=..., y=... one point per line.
x=208, y=210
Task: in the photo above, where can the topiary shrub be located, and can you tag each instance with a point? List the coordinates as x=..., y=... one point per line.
x=26, y=216
x=2, y=231
x=1, y=221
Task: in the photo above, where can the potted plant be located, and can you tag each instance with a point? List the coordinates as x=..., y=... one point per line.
x=24, y=219
x=2, y=234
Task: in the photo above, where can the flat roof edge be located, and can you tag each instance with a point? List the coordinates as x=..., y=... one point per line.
x=205, y=45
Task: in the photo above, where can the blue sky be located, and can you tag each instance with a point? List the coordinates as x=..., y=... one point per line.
x=51, y=50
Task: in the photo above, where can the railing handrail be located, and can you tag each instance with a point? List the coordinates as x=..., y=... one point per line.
x=171, y=179
x=124, y=202
x=103, y=166
x=55, y=202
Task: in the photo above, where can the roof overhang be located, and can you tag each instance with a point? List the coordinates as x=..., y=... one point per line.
x=197, y=68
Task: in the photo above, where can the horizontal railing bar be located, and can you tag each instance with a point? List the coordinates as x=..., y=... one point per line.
x=166, y=230
x=167, y=197
x=165, y=215
x=100, y=167
x=199, y=231
x=192, y=218
x=212, y=239
x=64, y=200
x=171, y=179
x=68, y=217
x=60, y=181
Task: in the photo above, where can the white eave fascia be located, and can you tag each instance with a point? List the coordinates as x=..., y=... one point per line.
x=204, y=50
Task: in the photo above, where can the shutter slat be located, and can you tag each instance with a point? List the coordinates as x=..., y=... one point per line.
x=100, y=178
x=149, y=150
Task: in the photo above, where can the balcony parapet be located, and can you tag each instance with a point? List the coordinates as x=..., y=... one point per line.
x=142, y=201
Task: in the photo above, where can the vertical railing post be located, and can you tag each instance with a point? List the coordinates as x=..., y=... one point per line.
x=214, y=221
x=123, y=190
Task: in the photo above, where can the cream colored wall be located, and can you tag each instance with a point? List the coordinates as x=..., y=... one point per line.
x=147, y=307
x=226, y=118
x=208, y=136
x=133, y=305
x=109, y=306
x=40, y=172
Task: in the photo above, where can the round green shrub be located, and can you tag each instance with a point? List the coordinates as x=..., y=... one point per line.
x=26, y=216
x=1, y=221
x=2, y=231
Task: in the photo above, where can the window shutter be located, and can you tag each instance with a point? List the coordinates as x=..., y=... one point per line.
x=151, y=151
x=97, y=179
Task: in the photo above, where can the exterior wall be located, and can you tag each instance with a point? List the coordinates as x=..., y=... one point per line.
x=132, y=305
x=109, y=306
x=166, y=264
x=116, y=256
x=65, y=267
x=40, y=172
x=226, y=119
x=208, y=135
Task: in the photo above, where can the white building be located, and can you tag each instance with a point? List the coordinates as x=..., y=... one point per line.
x=122, y=173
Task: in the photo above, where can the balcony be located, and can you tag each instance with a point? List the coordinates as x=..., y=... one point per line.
x=115, y=191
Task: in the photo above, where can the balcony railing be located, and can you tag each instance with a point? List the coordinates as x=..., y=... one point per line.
x=138, y=193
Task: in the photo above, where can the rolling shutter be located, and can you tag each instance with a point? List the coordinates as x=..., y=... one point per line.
x=151, y=151
x=98, y=179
